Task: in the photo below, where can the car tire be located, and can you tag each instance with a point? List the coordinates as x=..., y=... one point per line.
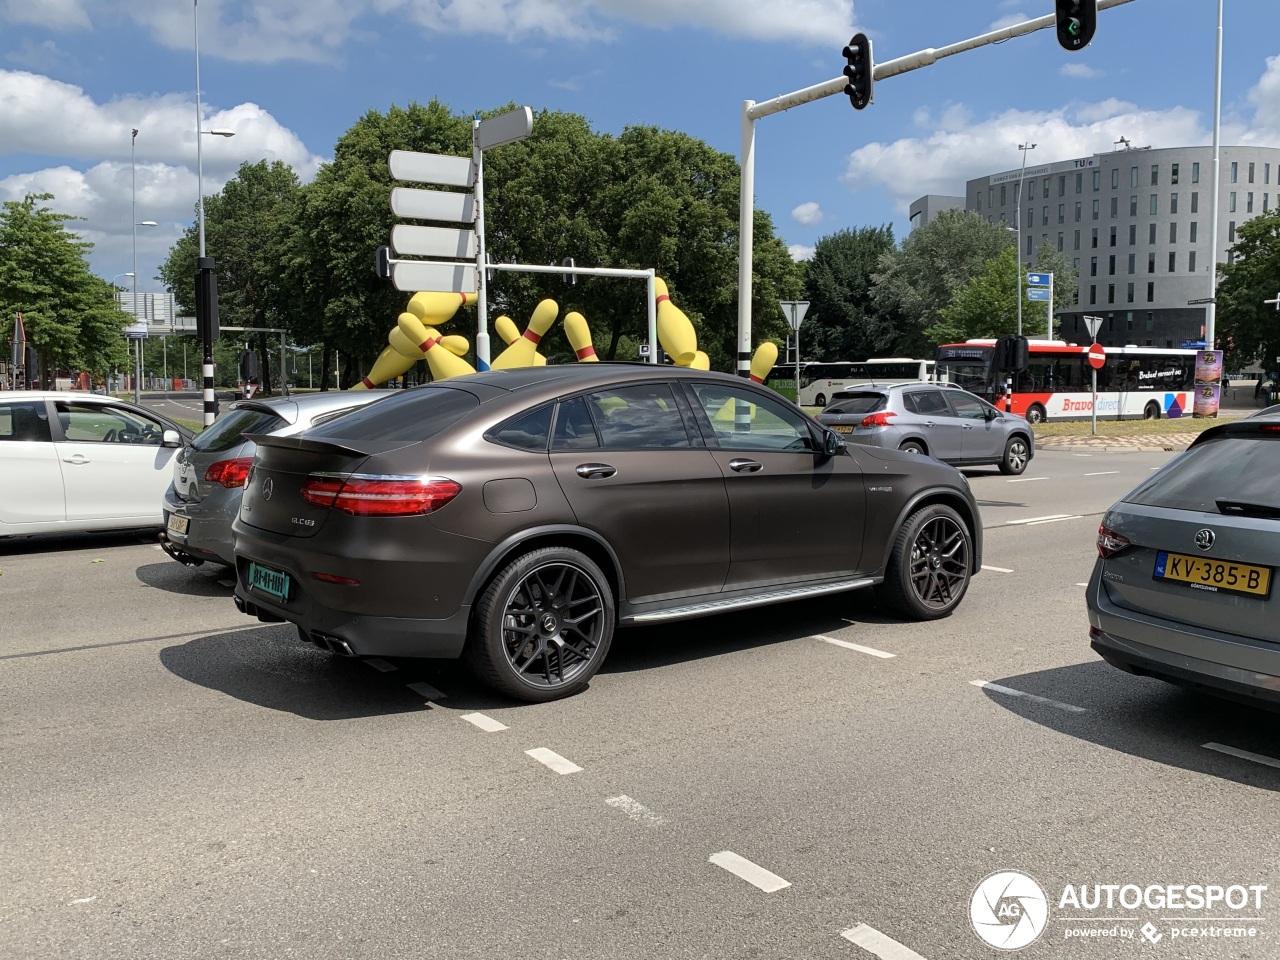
x=929, y=565
x=1035, y=413
x=543, y=625
x=1017, y=454
x=1151, y=411
x=912, y=446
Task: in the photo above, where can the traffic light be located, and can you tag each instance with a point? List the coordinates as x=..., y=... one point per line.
x=382, y=262
x=860, y=70
x=206, y=302
x=1077, y=21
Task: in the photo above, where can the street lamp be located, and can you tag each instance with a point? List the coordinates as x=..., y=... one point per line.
x=137, y=344
x=1025, y=148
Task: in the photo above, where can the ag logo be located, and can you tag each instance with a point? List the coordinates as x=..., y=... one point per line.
x=1008, y=910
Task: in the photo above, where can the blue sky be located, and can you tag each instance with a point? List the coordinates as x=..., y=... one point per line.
x=290, y=76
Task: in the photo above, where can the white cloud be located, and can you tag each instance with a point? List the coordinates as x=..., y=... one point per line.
x=1265, y=97
x=808, y=214
x=1079, y=70
x=50, y=14
x=799, y=252
x=1008, y=20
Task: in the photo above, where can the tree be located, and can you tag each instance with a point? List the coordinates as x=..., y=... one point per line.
x=914, y=283
x=986, y=306
x=1248, y=328
x=69, y=315
x=1066, y=287
x=844, y=318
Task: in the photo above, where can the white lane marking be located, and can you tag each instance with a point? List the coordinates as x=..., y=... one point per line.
x=1102, y=473
x=874, y=942
x=1052, y=516
x=426, y=690
x=1025, y=479
x=1081, y=584
x=1032, y=523
x=1009, y=691
x=1242, y=754
x=997, y=569
x=82, y=900
x=744, y=869
x=1082, y=454
x=487, y=724
x=856, y=646
x=553, y=760
x=636, y=811
x=1153, y=468
x=380, y=665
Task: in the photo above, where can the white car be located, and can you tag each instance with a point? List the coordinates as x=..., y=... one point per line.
x=73, y=462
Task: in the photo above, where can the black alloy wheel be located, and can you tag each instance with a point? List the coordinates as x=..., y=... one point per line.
x=543, y=626
x=930, y=564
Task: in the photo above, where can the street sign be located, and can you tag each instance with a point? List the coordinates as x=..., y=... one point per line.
x=644, y=349
x=431, y=168
x=504, y=128
x=418, y=275
x=1097, y=356
x=416, y=204
x=794, y=311
x=1202, y=300
x=1094, y=324
x=1037, y=293
x=433, y=241
x=1039, y=280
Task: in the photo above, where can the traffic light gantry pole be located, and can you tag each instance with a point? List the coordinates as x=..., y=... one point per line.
x=858, y=84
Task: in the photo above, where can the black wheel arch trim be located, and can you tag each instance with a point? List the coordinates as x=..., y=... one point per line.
x=505, y=549
x=951, y=498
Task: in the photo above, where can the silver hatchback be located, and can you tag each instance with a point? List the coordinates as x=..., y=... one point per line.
x=936, y=419
x=1183, y=586
x=209, y=473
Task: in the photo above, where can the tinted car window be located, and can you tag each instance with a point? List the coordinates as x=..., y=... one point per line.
x=742, y=419
x=926, y=402
x=25, y=420
x=966, y=406
x=1235, y=468
x=229, y=429
x=574, y=429
x=411, y=415
x=528, y=431
x=855, y=403
x=641, y=416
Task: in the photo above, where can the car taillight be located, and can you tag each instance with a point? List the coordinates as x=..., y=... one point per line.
x=230, y=473
x=880, y=419
x=1110, y=543
x=364, y=496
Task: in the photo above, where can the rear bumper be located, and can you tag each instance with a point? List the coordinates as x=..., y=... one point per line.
x=208, y=536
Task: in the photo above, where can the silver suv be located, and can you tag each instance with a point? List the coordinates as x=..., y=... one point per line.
x=938, y=419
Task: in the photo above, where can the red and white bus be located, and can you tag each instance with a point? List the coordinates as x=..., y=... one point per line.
x=1150, y=382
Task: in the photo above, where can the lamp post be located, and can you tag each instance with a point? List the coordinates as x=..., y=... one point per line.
x=113, y=283
x=137, y=342
x=1025, y=148
x=1211, y=312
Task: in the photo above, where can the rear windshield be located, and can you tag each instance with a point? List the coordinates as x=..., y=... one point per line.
x=1233, y=468
x=857, y=403
x=229, y=429
x=409, y=415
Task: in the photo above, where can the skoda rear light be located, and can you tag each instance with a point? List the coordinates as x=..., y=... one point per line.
x=880, y=419
x=1109, y=542
x=363, y=495
x=230, y=473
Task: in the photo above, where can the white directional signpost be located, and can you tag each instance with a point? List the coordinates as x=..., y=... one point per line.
x=1040, y=288
x=794, y=311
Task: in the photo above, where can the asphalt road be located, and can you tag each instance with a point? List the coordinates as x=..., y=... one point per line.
x=179, y=781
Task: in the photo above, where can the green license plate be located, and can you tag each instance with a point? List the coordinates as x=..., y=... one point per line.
x=269, y=581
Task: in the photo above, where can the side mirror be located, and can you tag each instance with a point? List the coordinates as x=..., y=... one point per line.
x=991, y=413
x=832, y=443
x=171, y=438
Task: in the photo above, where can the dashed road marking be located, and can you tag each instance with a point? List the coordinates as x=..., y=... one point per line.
x=1242, y=754
x=487, y=724
x=1102, y=473
x=874, y=942
x=636, y=811
x=553, y=760
x=82, y=900
x=1082, y=454
x=426, y=690
x=1009, y=691
x=997, y=569
x=870, y=651
x=380, y=665
x=1025, y=479
x=744, y=869
x=1081, y=584
x=1032, y=523
x=1049, y=519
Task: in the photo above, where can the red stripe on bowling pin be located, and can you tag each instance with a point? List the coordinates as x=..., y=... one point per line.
x=367, y=382
x=587, y=351
x=754, y=379
x=659, y=299
x=427, y=344
x=531, y=335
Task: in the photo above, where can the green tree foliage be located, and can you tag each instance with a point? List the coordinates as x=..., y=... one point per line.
x=1247, y=328
x=915, y=282
x=70, y=315
x=1066, y=289
x=987, y=306
x=844, y=321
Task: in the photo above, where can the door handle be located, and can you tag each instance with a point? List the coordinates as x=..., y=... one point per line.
x=594, y=471
x=77, y=459
x=928, y=423
x=741, y=465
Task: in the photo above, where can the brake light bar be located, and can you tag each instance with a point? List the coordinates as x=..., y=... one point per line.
x=367, y=495
x=1110, y=543
x=880, y=419
x=230, y=473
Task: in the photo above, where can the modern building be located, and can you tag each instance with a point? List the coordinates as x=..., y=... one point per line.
x=1135, y=224
x=929, y=206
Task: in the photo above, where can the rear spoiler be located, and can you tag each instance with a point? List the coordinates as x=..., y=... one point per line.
x=308, y=445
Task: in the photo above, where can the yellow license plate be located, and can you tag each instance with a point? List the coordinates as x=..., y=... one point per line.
x=178, y=524
x=842, y=428
x=1215, y=575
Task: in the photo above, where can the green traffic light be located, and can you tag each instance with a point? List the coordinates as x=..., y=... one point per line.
x=1073, y=27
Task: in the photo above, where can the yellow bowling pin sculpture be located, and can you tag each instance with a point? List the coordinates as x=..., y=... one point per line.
x=762, y=361
x=510, y=333
x=579, y=334
x=455, y=344
x=403, y=345
x=700, y=361
x=435, y=309
x=521, y=353
x=389, y=365
x=443, y=364
x=675, y=330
